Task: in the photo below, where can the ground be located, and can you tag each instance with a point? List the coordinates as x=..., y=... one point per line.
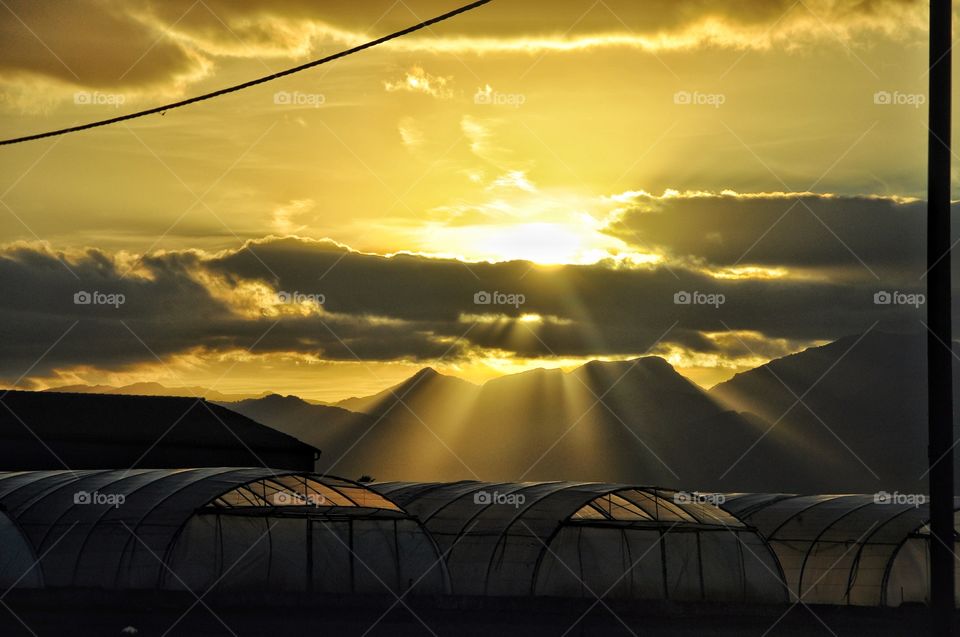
x=150, y=614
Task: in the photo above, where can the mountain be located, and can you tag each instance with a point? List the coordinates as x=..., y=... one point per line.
x=857, y=408
x=296, y=417
x=845, y=417
x=153, y=389
x=375, y=435
x=436, y=387
x=849, y=416
x=630, y=421
x=652, y=426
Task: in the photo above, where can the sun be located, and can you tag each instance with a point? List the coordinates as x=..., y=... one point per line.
x=544, y=229
x=544, y=243
x=540, y=242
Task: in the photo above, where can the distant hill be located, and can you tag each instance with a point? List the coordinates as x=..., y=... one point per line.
x=860, y=425
x=153, y=389
x=426, y=382
x=296, y=417
x=863, y=416
x=653, y=426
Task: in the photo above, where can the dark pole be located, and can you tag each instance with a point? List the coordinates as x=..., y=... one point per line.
x=939, y=357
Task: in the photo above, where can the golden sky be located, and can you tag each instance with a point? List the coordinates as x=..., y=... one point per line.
x=595, y=158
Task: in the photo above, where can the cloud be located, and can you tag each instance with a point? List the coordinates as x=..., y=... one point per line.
x=223, y=28
x=679, y=25
x=89, y=44
x=416, y=80
x=822, y=234
x=150, y=45
x=285, y=217
x=512, y=180
x=480, y=133
x=731, y=352
x=398, y=308
x=524, y=27
x=410, y=134
x=173, y=305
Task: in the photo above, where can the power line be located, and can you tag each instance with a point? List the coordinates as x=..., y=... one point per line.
x=260, y=80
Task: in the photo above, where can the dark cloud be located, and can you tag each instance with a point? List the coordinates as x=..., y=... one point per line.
x=89, y=44
x=152, y=43
x=847, y=235
x=619, y=309
x=517, y=17
x=391, y=308
x=167, y=308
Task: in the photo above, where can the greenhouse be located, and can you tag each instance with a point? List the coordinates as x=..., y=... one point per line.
x=861, y=550
x=16, y=557
x=586, y=539
x=248, y=529
x=228, y=529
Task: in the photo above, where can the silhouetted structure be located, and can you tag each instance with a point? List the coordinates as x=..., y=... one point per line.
x=224, y=529
x=299, y=532
x=940, y=361
x=85, y=551
x=855, y=550
x=49, y=430
x=572, y=539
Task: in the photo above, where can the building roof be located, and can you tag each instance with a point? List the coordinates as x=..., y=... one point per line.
x=192, y=423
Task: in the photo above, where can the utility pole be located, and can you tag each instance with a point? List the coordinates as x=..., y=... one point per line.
x=939, y=338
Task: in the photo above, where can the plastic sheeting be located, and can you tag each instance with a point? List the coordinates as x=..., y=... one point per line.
x=587, y=539
x=235, y=529
x=17, y=560
x=856, y=550
x=253, y=529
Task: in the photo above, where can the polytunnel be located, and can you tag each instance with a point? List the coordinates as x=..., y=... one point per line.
x=860, y=550
x=234, y=529
x=572, y=539
x=17, y=558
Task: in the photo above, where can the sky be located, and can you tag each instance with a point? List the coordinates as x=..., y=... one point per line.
x=718, y=183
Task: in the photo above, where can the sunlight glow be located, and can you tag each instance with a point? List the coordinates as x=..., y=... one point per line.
x=542, y=243
x=750, y=272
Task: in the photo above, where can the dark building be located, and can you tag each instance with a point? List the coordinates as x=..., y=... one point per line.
x=49, y=430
